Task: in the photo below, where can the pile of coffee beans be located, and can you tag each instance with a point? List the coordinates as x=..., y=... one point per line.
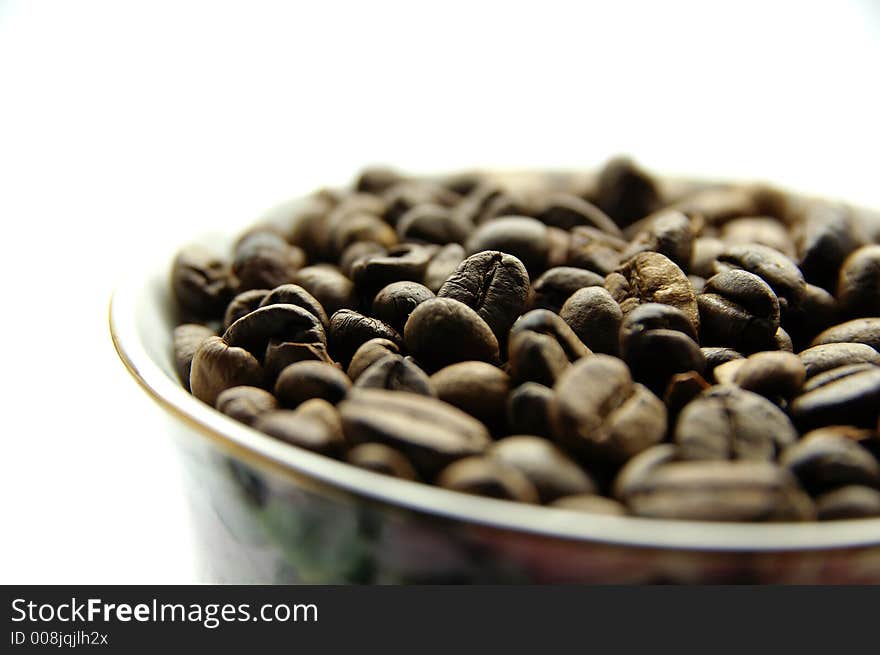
x=615, y=343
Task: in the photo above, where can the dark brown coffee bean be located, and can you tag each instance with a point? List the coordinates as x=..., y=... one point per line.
x=625, y=192
x=705, y=251
x=477, y=388
x=487, y=477
x=375, y=179
x=546, y=322
x=357, y=227
x=594, y=250
x=633, y=475
x=851, y=502
x=858, y=330
x=201, y=282
x=826, y=235
x=818, y=310
x=523, y=237
x=763, y=230
x=293, y=294
x=245, y=404
x=726, y=422
x=301, y=431
x=369, y=353
x=716, y=356
x=329, y=287
x=264, y=260
x=595, y=317
x=187, y=339
x=654, y=316
x=396, y=373
x=433, y=224
x=394, y=303
x=682, y=389
x=243, y=303
x=325, y=413
x=357, y=251
x=738, y=310
x=466, y=336
x=720, y=491
x=590, y=504
x=402, y=197
x=771, y=374
x=726, y=373
x=217, y=365
x=281, y=354
x=494, y=285
x=600, y=411
x=550, y=470
x=556, y=285
x=305, y=380
x=406, y=263
x=487, y=201
x=770, y=265
x=718, y=204
x=819, y=359
x=823, y=460
x=429, y=432
x=847, y=395
x=680, y=354
x=382, y=459
x=668, y=232
x=280, y=323
x=442, y=265
x=858, y=286
x=529, y=408
x=566, y=211
x=652, y=277
x=349, y=330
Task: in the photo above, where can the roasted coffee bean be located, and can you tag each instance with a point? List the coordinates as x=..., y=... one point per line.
x=376, y=179
x=726, y=373
x=187, y=339
x=201, y=282
x=525, y=238
x=595, y=317
x=488, y=477
x=681, y=389
x=465, y=336
x=680, y=354
x=594, y=250
x=402, y=197
x=264, y=260
x=782, y=341
x=305, y=380
x=357, y=227
x=369, y=353
x=771, y=374
x=281, y=354
x=395, y=373
x=301, y=431
x=349, y=330
x=720, y=491
x=819, y=359
x=654, y=316
x=739, y=310
x=484, y=202
x=550, y=470
x=443, y=264
x=325, y=413
x=217, y=366
x=556, y=285
x=280, y=323
x=546, y=322
x=477, y=388
x=625, y=192
x=567, y=211
x=357, y=251
x=433, y=224
x=858, y=286
x=817, y=311
x=825, y=236
x=245, y=404
x=590, y=504
x=717, y=356
x=823, y=460
x=383, y=459
x=847, y=395
x=698, y=284
x=777, y=270
x=394, y=303
x=463, y=182
x=858, y=330
x=726, y=422
x=850, y=502
x=243, y=303
x=638, y=468
x=599, y=411
x=529, y=408
x=652, y=277
x=669, y=233
x=718, y=204
x=329, y=287
x=429, y=432
x=406, y=263
x=494, y=285
x=703, y=255
x=293, y=294
x=763, y=230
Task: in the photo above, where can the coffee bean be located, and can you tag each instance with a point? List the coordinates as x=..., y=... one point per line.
x=429, y=432
x=726, y=422
x=850, y=502
x=716, y=356
x=382, y=459
x=293, y=294
x=529, y=408
x=556, y=285
x=718, y=204
x=726, y=373
x=847, y=395
x=264, y=260
x=245, y=404
x=819, y=359
x=357, y=227
x=782, y=341
x=187, y=339
x=705, y=252
x=323, y=412
x=858, y=330
x=668, y=232
x=826, y=235
x=394, y=303
x=243, y=303
x=823, y=460
x=595, y=317
x=638, y=469
x=590, y=504
x=763, y=230
x=329, y=287
x=817, y=311
x=256, y=330
x=858, y=286
x=477, y=388
x=305, y=380
x=771, y=374
x=739, y=310
x=376, y=179
x=680, y=354
x=682, y=389
x=525, y=238
x=217, y=365
x=368, y=353
x=487, y=477
x=281, y=354
x=487, y=201
x=402, y=197
x=566, y=211
x=357, y=251
x=465, y=336
x=395, y=373
x=494, y=285
x=433, y=224
x=406, y=263
x=201, y=282
x=349, y=330
x=301, y=431
x=443, y=264
x=777, y=270
x=600, y=411
x=546, y=322
x=594, y=250
x=625, y=192
x=550, y=470
x=654, y=316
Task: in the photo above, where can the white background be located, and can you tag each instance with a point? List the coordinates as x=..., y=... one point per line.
x=126, y=127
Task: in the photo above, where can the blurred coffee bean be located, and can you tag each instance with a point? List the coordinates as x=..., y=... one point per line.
x=394, y=303
x=368, y=353
x=771, y=374
x=329, y=287
x=383, y=459
x=654, y=316
x=523, y=237
x=443, y=264
x=823, y=460
x=293, y=294
x=487, y=201
x=477, y=388
x=357, y=227
x=590, y=504
x=201, y=282
x=395, y=373
x=404, y=263
x=567, y=211
x=487, y=477
x=817, y=311
x=243, y=303
x=726, y=373
x=703, y=255
x=305, y=380
x=738, y=310
x=402, y=197
x=825, y=236
x=535, y=357
x=301, y=431
x=546, y=322
x=595, y=317
x=187, y=339
x=264, y=260
x=847, y=395
x=681, y=389
x=850, y=502
x=357, y=251
x=625, y=192
x=556, y=285
x=858, y=286
x=349, y=330
x=633, y=475
x=858, y=330
x=529, y=409
x=716, y=356
x=718, y=204
x=217, y=366
x=669, y=233
x=680, y=354
x=594, y=250
x=819, y=359
x=442, y=331
x=763, y=230
x=281, y=354
x=245, y=404
x=433, y=224
x=325, y=413
x=375, y=179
